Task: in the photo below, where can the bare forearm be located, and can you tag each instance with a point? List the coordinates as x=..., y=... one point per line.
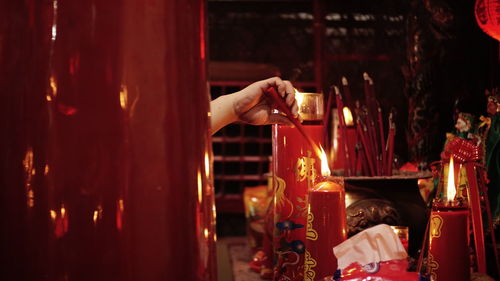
x=249, y=105
x=222, y=112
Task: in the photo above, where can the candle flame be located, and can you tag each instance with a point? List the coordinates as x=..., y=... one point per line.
x=325, y=170
x=450, y=188
x=347, y=116
x=299, y=98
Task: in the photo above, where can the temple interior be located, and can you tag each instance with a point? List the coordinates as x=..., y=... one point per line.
x=385, y=164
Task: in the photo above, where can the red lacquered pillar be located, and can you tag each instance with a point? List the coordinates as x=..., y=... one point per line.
x=24, y=56
x=171, y=196
x=295, y=167
x=107, y=148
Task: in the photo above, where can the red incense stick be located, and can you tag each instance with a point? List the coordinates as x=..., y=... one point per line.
x=366, y=148
x=326, y=118
x=372, y=133
x=347, y=92
x=382, y=139
x=281, y=105
x=390, y=145
x=369, y=95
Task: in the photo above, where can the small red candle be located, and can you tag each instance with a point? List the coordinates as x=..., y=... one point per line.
x=448, y=237
x=326, y=226
x=351, y=140
x=345, y=145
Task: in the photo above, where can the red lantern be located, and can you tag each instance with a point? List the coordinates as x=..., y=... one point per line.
x=488, y=17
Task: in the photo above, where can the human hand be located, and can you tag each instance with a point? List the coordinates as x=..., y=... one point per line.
x=252, y=104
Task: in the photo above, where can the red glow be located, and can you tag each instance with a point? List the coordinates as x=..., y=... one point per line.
x=66, y=109
x=202, y=31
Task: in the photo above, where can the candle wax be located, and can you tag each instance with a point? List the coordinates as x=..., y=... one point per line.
x=326, y=228
x=449, y=245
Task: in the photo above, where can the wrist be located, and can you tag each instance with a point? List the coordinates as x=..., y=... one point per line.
x=223, y=112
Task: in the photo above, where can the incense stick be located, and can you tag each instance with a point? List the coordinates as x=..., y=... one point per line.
x=347, y=91
x=390, y=145
x=382, y=139
x=281, y=105
x=326, y=119
x=365, y=146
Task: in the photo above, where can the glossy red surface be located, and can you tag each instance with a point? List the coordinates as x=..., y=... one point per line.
x=449, y=245
x=105, y=148
x=327, y=227
x=295, y=167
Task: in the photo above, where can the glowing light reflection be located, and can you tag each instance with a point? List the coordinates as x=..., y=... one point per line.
x=54, y=21
x=207, y=165
x=96, y=214
x=53, y=87
x=53, y=215
x=200, y=187
x=123, y=97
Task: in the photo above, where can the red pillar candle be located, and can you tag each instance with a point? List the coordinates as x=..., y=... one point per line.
x=449, y=248
x=295, y=167
x=337, y=155
x=326, y=228
x=449, y=236
x=342, y=146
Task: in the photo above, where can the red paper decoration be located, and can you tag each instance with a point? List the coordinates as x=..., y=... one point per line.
x=488, y=17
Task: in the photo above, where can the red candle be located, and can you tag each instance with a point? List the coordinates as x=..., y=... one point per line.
x=449, y=248
x=351, y=139
x=337, y=157
x=295, y=167
x=449, y=237
x=346, y=145
x=326, y=228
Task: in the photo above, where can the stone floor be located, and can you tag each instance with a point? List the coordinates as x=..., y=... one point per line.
x=233, y=256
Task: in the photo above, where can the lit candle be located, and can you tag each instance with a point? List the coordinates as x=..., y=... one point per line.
x=295, y=167
x=326, y=225
x=343, y=132
x=351, y=140
x=449, y=242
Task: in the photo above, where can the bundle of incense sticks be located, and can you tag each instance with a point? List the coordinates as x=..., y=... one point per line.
x=374, y=152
